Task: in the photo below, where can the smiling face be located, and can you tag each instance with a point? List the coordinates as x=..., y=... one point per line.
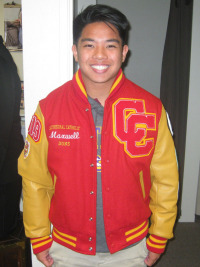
x=100, y=54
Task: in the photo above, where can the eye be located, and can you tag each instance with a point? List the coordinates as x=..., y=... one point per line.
x=111, y=46
x=88, y=45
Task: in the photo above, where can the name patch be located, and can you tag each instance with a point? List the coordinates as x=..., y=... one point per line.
x=63, y=134
x=56, y=135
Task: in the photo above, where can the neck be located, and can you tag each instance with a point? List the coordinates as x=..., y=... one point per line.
x=99, y=91
x=100, y=94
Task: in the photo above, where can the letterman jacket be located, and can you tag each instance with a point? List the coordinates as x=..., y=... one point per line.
x=139, y=170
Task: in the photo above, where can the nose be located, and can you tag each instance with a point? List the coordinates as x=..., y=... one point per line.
x=100, y=53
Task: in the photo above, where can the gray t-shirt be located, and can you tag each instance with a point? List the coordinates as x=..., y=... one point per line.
x=97, y=112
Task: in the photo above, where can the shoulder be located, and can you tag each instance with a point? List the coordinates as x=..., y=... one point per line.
x=56, y=95
x=134, y=91
x=55, y=99
x=141, y=92
x=140, y=99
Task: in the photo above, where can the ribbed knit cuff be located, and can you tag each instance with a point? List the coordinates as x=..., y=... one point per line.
x=41, y=243
x=156, y=244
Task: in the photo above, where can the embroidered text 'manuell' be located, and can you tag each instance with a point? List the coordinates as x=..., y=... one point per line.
x=54, y=135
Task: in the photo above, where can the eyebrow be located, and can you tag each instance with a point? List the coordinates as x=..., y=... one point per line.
x=92, y=40
x=113, y=40
x=87, y=40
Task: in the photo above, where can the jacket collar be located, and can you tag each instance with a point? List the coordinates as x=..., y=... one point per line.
x=80, y=87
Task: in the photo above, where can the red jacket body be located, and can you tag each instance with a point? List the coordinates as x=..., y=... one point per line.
x=67, y=137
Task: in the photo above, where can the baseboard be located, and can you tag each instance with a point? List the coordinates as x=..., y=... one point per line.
x=197, y=218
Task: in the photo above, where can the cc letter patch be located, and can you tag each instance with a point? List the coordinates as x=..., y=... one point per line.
x=131, y=125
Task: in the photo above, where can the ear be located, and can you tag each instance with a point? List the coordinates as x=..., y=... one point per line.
x=75, y=52
x=124, y=52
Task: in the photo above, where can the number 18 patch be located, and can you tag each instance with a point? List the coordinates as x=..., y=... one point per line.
x=35, y=128
x=131, y=125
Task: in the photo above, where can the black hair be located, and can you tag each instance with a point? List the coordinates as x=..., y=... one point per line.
x=101, y=13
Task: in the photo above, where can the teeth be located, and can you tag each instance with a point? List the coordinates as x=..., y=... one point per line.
x=99, y=67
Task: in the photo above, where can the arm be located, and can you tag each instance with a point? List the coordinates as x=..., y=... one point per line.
x=151, y=258
x=45, y=258
x=38, y=187
x=164, y=190
x=36, y=204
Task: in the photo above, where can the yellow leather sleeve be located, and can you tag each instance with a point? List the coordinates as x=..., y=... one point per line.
x=164, y=178
x=37, y=183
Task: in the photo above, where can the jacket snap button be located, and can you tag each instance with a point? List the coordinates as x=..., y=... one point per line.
x=92, y=165
x=90, y=218
x=87, y=109
x=92, y=192
x=90, y=249
x=90, y=238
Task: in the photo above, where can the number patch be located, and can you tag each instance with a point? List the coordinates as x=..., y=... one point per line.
x=35, y=128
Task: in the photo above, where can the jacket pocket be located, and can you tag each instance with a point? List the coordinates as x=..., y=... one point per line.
x=142, y=183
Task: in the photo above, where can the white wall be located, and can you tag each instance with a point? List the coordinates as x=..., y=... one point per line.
x=192, y=156
x=47, y=42
x=148, y=19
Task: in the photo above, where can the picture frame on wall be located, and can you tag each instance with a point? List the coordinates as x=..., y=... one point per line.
x=13, y=25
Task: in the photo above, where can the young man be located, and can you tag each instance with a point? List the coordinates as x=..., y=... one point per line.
x=99, y=159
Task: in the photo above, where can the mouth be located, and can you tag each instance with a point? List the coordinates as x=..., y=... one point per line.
x=100, y=67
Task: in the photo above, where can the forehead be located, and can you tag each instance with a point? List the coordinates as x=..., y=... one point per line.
x=100, y=30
